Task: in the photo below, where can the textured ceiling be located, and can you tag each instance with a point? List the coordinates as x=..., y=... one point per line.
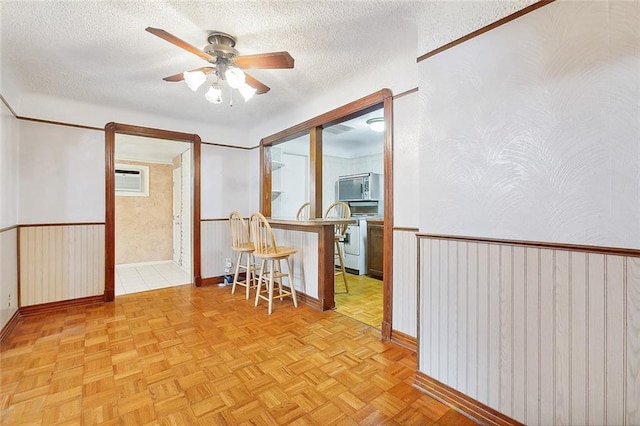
x=98, y=51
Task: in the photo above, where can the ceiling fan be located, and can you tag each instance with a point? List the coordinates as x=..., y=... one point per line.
x=226, y=64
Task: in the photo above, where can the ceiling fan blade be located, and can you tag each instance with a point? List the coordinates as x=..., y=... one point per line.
x=180, y=43
x=260, y=87
x=265, y=60
x=180, y=76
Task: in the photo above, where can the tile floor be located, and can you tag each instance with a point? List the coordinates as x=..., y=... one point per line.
x=137, y=277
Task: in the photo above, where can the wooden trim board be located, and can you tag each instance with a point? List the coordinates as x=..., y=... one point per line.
x=466, y=405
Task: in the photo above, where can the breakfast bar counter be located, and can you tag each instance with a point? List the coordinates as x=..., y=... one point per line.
x=313, y=264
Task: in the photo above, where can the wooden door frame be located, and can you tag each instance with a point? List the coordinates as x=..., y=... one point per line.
x=110, y=131
x=382, y=98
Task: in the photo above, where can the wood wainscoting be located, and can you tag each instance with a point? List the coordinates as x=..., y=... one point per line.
x=543, y=333
x=405, y=284
x=61, y=262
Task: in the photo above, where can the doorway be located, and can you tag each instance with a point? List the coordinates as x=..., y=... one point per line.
x=188, y=160
x=152, y=214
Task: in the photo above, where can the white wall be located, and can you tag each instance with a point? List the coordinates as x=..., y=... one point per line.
x=8, y=167
x=61, y=171
x=8, y=215
x=406, y=161
x=532, y=131
x=70, y=111
x=226, y=176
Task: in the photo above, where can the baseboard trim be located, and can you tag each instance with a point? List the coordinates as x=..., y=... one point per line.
x=466, y=405
x=310, y=301
x=11, y=324
x=27, y=311
x=404, y=340
x=211, y=281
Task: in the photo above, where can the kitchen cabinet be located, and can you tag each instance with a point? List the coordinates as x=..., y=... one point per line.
x=375, y=248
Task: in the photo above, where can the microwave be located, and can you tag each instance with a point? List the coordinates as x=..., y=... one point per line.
x=360, y=187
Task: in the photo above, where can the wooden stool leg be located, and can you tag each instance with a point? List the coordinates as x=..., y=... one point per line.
x=248, y=280
x=235, y=276
x=280, y=279
x=259, y=282
x=344, y=271
x=271, y=274
x=293, y=288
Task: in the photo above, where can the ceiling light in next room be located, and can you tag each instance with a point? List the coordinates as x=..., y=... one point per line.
x=376, y=124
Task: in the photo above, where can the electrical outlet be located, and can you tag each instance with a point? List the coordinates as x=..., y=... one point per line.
x=9, y=299
x=227, y=262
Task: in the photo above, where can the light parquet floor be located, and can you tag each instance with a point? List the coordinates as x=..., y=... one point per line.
x=185, y=355
x=364, y=300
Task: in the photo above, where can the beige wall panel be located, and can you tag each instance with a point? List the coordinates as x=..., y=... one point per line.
x=483, y=323
x=144, y=226
x=472, y=327
x=614, y=339
x=304, y=261
x=462, y=312
x=544, y=336
x=578, y=341
x=632, y=342
x=596, y=339
x=505, y=368
x=61, y=263
x=404, y=309
x=562, y=342
x=215, y=242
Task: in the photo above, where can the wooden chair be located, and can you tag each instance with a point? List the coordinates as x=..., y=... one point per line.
x=340, y=210
x=242, y=244
x=270, y=266
x=303, y=211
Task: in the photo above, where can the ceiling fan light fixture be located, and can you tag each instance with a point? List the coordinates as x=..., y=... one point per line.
x=376, y=124
x=246, y=91
x=214, y=94
x=235, y=77
x=194, y=79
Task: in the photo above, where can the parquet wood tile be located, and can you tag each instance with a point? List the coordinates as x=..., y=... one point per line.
x=185, y=355
x=364, y=300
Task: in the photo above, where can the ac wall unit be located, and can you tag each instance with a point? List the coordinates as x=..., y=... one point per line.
x=132, y=180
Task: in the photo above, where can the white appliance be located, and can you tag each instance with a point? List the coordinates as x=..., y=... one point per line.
x=354, y=249
x=360, y=187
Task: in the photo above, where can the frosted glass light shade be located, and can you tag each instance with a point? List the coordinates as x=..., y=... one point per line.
x=214, y=94
x=235, y=77
x=246, y=91
x=194, y=79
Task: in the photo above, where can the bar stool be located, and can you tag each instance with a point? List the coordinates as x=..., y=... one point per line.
x=340, y=210
x=270, y=267
x=303, y=211
x=243, y=246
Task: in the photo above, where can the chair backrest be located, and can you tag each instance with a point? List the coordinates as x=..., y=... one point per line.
x=339, y=210
x=263, y=240
x=239, y=230
x=303, y=211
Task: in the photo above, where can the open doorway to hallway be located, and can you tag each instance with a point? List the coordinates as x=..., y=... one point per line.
x=153, y=230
